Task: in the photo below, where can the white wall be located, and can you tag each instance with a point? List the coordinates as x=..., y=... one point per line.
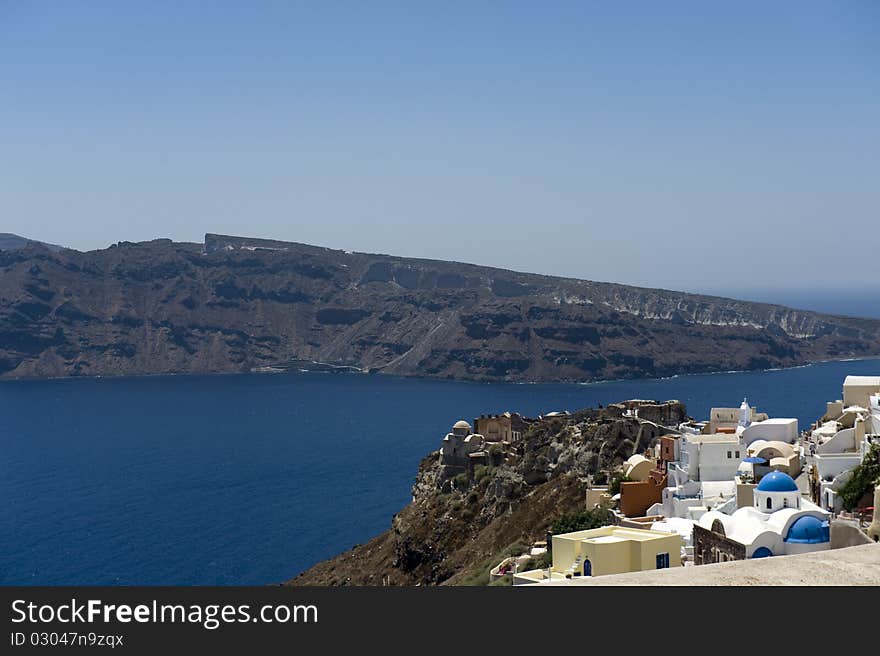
x=858, y=391
x=834, y=464
x=715, y=465
x=778, y=500
x=771, y=430
x=841, y=442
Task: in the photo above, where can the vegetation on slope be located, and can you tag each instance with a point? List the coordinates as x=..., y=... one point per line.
x=865, y=477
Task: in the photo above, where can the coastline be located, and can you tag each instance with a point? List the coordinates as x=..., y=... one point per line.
x=362, y=372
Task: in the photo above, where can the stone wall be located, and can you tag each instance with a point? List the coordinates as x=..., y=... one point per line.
x=667, y=413
x=711, y=547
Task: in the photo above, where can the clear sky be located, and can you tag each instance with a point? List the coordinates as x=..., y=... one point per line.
x=687, y=145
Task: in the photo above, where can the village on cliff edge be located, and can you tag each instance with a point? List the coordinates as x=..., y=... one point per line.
x=740, y=485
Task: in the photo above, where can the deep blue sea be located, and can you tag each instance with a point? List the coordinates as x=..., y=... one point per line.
x=249, y=479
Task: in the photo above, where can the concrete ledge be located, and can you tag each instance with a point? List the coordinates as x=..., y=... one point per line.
x=842, y=567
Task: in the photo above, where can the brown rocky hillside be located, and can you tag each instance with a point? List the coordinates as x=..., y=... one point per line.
x=455, y=529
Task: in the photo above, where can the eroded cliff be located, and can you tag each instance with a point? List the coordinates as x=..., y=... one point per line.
x=235, y=305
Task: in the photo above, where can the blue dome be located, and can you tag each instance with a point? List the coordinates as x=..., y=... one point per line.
x=808, y=530
x=776, y=481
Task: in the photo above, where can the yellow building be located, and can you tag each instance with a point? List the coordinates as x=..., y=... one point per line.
x=608, y=550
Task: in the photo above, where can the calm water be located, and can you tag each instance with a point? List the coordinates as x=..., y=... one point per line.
x=250, y=479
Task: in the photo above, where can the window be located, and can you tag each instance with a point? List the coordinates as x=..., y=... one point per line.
x=769, y=503
x=737, y=455
x=663, y=560
x=729, y=455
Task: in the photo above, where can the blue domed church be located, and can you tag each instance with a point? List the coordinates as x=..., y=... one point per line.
x=779, y=522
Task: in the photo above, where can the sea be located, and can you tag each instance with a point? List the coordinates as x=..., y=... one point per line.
x=249, y=479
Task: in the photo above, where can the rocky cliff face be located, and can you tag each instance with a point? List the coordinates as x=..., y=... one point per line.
x=457, y=525
x=234, y=304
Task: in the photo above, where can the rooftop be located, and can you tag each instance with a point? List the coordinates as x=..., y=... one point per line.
x=777, y=481
x=605, y=538
x=613, y=534
x=862, y=380
x=775, y=420
x=714, y=438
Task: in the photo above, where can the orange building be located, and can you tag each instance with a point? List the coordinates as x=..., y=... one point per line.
x=637, y=496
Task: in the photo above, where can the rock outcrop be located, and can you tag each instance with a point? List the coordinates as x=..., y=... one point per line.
x=457, y=525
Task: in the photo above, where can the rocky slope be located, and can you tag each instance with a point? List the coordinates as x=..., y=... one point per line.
x=456, y=528
x=234, y=304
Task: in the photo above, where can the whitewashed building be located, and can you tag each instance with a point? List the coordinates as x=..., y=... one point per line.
x=780, y=522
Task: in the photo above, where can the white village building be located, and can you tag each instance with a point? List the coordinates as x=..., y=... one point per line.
x=780, y=522
x=844, y=436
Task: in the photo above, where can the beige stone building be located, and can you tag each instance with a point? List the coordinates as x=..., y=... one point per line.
x=726, y=420
x=506, y=427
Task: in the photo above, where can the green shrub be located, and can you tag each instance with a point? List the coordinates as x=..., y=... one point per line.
x=865, y=476
x=461, y=481
x=479, y=574
x=481, y=472
x=616, y=480
x=542, y=561
x=582, y=520
x=507, y=579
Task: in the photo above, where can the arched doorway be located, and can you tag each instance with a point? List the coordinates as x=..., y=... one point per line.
x=588, y=567
x=762, y=552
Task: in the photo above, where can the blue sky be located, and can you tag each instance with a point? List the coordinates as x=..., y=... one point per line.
x=687, y=145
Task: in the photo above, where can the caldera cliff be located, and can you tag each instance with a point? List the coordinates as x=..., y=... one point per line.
x=235, y=304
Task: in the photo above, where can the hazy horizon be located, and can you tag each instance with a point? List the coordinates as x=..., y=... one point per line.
x=681, y=146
